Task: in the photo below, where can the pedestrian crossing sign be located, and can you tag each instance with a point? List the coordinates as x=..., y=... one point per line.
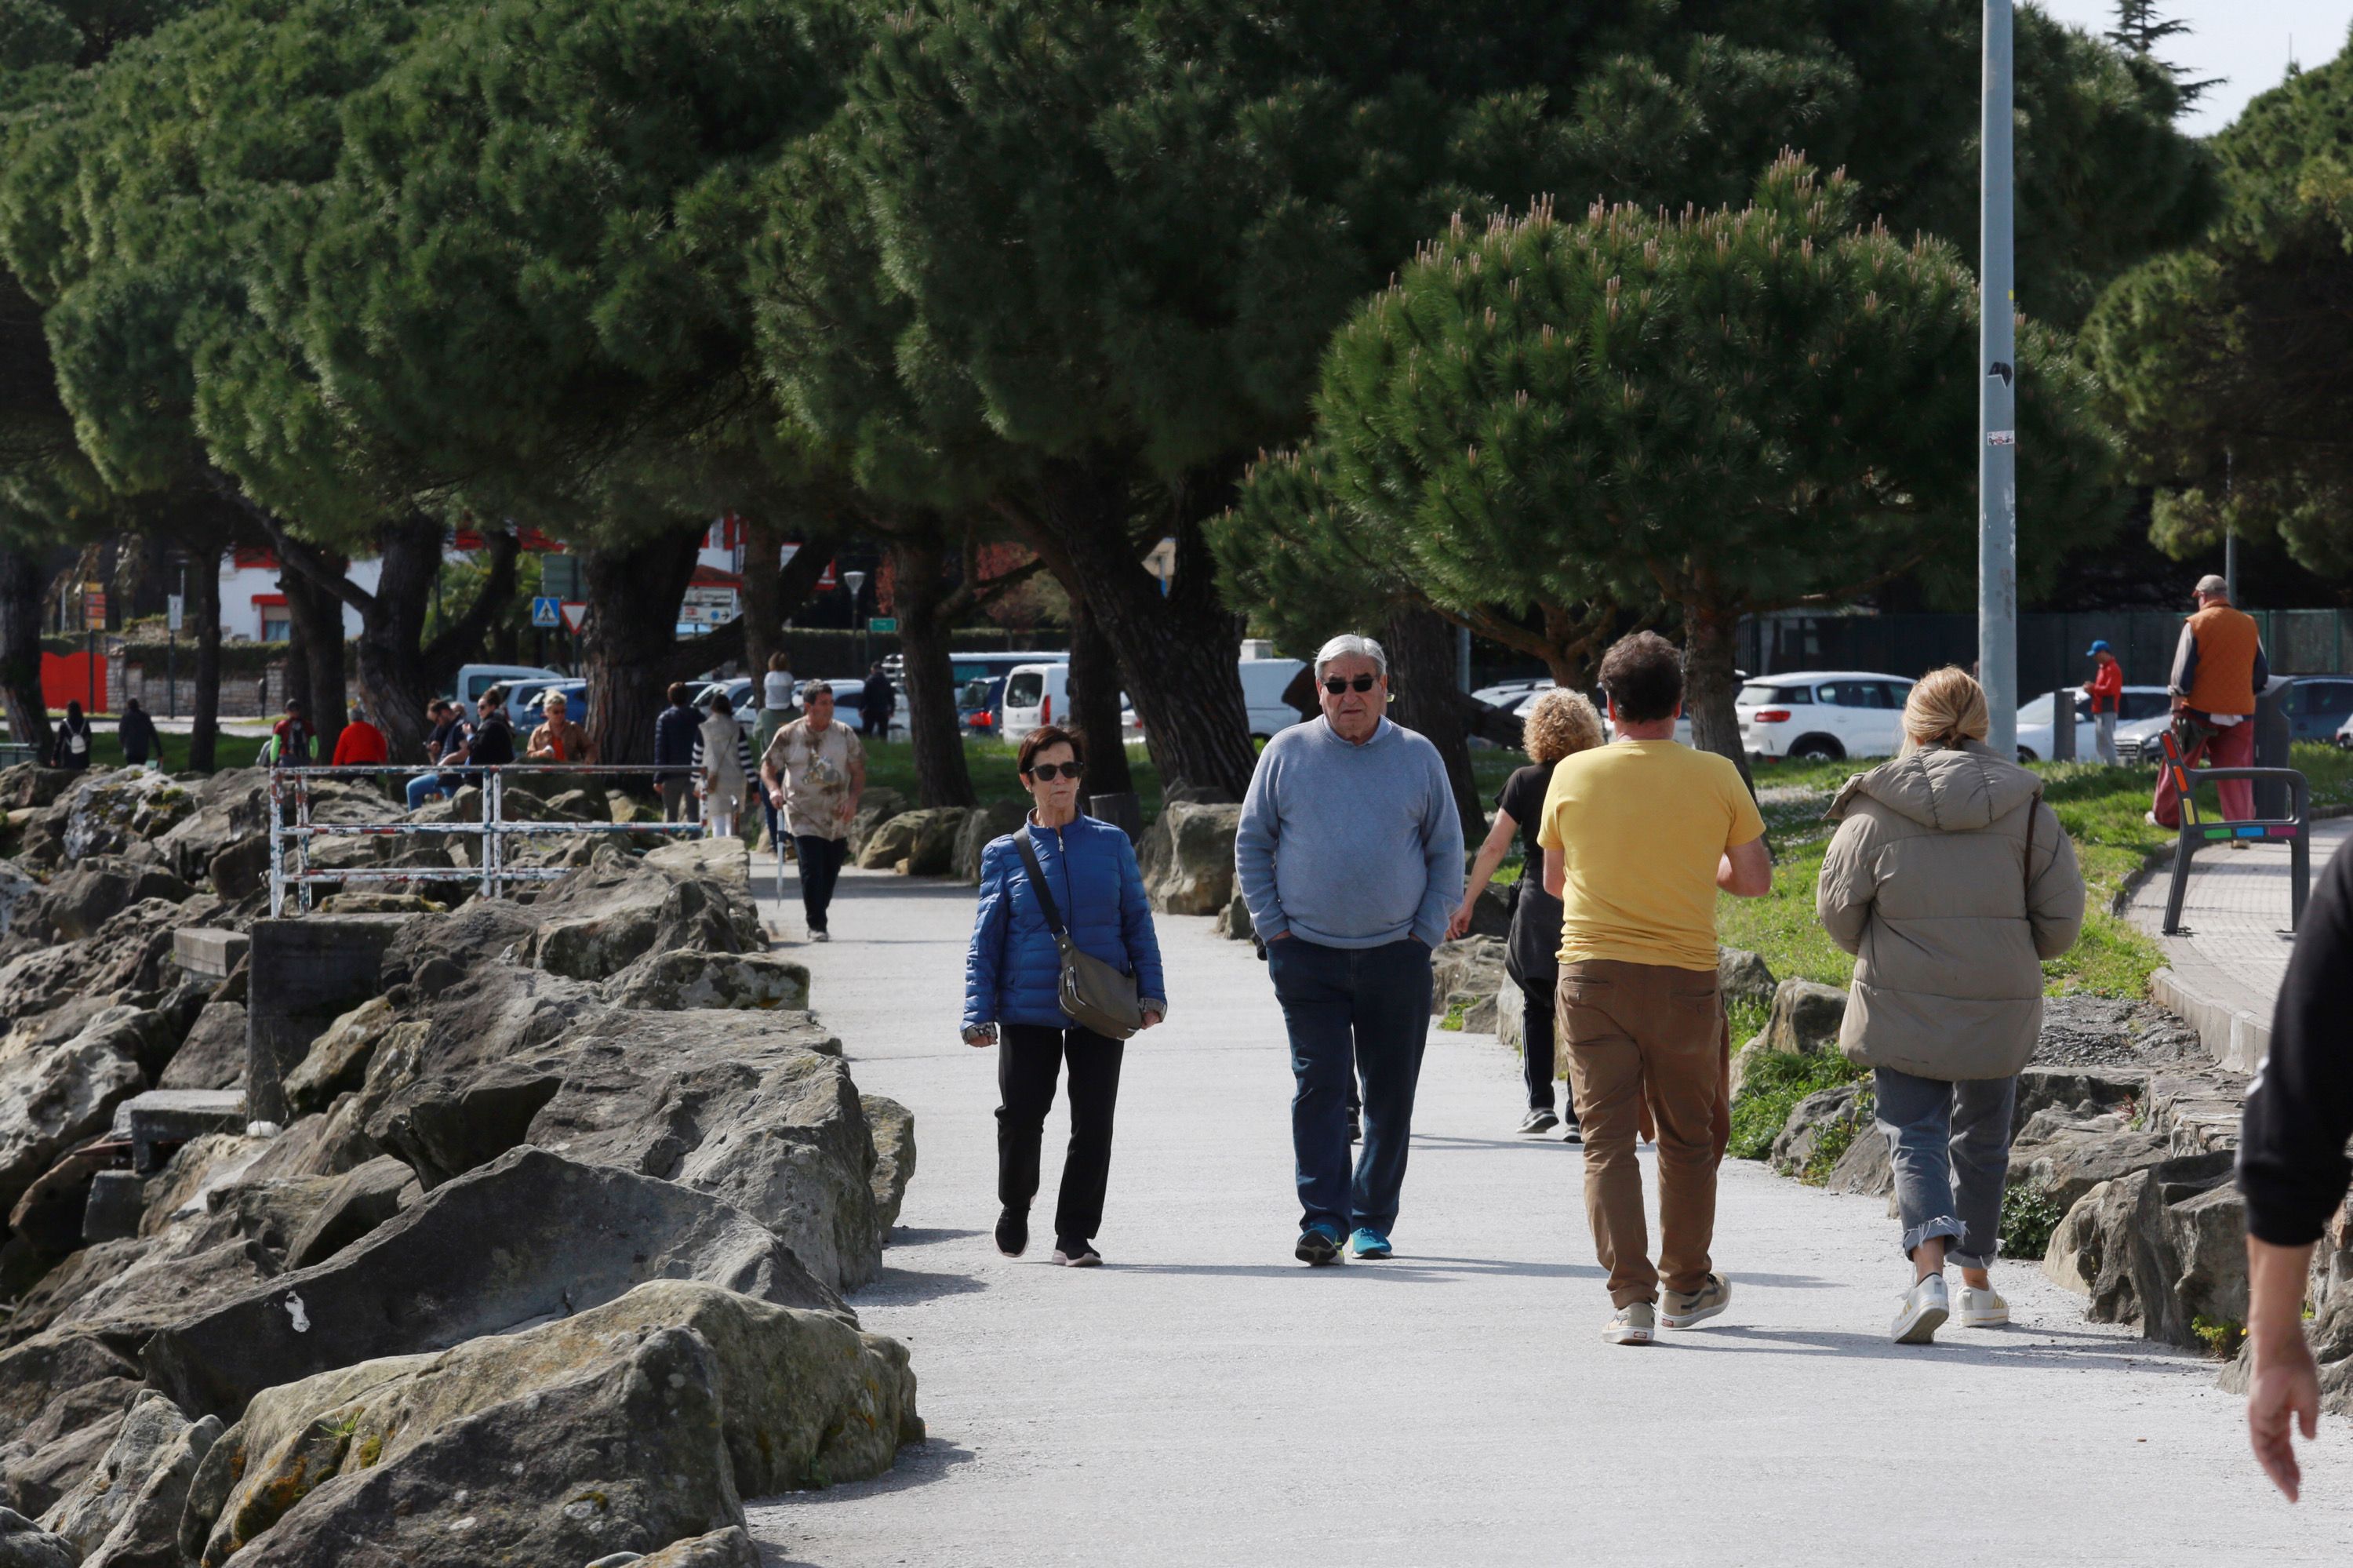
x=547, y=610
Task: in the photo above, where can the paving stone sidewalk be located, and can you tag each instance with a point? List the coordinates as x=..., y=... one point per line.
x=1205, y=1400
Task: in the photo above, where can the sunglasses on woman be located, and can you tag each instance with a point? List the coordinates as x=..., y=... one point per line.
x=1336, y=685
x=1049, y=771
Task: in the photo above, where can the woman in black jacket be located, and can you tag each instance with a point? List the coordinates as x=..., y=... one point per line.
x=69, y=750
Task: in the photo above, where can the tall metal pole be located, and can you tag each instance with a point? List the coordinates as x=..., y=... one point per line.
x=1998, y=399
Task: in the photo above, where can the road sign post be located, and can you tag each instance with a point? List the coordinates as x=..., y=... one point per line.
x=1998, y=397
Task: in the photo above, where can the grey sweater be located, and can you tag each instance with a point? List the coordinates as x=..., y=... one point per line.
x=1347, y=845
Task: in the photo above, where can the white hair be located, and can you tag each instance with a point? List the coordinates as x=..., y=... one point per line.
x=1348, y=644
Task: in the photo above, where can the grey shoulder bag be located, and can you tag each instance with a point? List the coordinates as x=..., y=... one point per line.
x=1095, y=995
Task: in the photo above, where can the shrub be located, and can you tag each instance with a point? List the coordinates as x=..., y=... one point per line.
x=2029, y=1215
x=1776, y=1082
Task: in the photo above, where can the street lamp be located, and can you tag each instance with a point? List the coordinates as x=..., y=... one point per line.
x=1998, y=397
x=856, y=580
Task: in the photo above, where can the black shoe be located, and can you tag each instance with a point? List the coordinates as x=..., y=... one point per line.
x=1013, y=1232
x=1077, y=1253
x=1570, y=1132
x=1318, y=1245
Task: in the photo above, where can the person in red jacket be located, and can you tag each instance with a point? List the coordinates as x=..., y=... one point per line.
x=2106, y=690
x=360, y=744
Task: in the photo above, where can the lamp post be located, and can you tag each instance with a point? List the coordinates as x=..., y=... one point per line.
x=856, y=580
x=1998, y=397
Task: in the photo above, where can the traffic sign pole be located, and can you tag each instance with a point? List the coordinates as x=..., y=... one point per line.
x=1998, y=397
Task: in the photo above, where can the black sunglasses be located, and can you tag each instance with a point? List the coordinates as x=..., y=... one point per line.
x=1049, y=771
x=1362, y=684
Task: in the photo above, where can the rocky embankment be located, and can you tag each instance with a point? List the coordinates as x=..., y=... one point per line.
x=541, y=1259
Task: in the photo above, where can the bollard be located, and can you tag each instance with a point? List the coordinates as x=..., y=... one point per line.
x=2062, y=724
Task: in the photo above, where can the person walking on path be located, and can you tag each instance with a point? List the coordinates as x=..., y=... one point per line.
x=557, y=738
x=445, y=734
x=2106, y=690
x=136, y=731
x=360, y=744
x=875, y=701
x=69, y=747
x=674, y=731
x=722, y=761
x=2292, y=1172
x=1950, y=882
x=1013, y=981
x=777, y=709
x=815, y=771
x=2219, y=668
x=1561, y=724
x=1638, y=836
x=1350, y=857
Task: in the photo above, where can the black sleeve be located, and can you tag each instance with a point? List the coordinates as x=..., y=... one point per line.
x=1522, y=796
x=2293, y=1168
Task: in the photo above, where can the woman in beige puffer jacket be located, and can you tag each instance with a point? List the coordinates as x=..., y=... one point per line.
x=1949, y=881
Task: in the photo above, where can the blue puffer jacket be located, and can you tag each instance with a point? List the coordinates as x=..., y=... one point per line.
x=1013, y=973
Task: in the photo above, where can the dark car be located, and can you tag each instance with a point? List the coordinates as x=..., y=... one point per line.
x=2318, y=706
x=980, y=708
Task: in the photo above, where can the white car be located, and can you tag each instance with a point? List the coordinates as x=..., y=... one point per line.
x=2035, y=727
x=1040, y=695
x=1513, y=694
x=1821, y=715
x=1263, y=683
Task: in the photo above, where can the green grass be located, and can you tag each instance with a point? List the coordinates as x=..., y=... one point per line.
x=229, y=750
x=1775, y=1082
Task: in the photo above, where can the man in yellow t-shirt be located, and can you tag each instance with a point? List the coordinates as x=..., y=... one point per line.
x=1638, y=836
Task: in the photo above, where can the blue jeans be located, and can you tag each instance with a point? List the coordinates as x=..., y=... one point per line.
x=422, y=788
x=1949, y=1144
x=1351, y=1010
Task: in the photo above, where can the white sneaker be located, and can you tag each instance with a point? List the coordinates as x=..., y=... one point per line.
x=1926, y=1308
x=1635, y=1324
x=1983, y=1308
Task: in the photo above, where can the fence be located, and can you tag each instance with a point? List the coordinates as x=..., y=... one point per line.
x=2050, y=646
x=289, y=841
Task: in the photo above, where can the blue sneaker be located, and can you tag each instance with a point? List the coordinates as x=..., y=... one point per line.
x=1319, y=1244
x=1369, y=1243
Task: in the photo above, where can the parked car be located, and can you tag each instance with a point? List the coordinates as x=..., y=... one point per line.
x=2034, y=726
x=1263, y=683
x=1821, y=714
x=740, y=692
x=2319, y=709
x=1513, y=694
x=527, y=702
x=1039, y=695
x=980, y=705
x=473, y=680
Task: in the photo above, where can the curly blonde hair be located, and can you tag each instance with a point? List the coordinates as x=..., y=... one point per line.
x=1561, y=724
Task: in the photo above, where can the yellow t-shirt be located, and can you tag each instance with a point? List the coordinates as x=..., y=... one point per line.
x=1641, y=825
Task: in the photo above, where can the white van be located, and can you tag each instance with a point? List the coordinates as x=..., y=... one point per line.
x=1263, y=683
x=1038, y=694
x=473, y=680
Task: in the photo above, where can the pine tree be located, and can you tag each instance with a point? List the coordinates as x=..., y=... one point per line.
x=2139, y=29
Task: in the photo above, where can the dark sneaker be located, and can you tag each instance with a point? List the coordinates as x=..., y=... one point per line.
x=1319, y=1244
x=1013, y=1233
x=1571, y=1132
x=1077, y=1254
x=1538, y=1120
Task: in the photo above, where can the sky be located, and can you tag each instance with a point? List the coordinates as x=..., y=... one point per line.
x=2248, y=41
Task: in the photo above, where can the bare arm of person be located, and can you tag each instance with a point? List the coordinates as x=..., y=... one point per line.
x=1556, y=872
x=2283, y=1394
x=1746, y=870
x=1482, y=871
x=857, y=785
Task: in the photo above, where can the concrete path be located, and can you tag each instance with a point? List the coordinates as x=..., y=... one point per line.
x=2224, y=968
x=1205, y=1400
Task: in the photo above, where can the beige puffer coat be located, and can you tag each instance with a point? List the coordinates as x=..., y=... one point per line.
x=1926, y=884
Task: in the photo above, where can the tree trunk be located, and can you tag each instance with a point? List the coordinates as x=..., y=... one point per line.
x=1711, y=685
x=317, y=677
x=917, y=566
x=763, y=594
x=1095, y=704
x=1423, y=681
x=20, y=649
x=203, y=614
x=630, y=638
x=394, y=683
x=1180, y=651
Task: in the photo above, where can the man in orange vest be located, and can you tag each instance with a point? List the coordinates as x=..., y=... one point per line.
x=2217, y=670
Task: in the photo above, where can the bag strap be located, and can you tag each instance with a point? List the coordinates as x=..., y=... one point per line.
x=1037, y=881
x=2031, y=807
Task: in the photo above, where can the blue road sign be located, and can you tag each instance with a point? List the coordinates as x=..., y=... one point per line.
x=547, y=610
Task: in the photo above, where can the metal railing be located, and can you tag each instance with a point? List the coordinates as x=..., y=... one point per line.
x=2296, y=827
x=290, y=841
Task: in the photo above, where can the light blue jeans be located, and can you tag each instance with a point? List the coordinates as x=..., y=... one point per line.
x=1949, y=1145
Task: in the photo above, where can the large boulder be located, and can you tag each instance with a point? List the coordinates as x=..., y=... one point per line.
x=596, y=922
x=727, y=859
x=1469, y=966
x=892, y=1126
x=622, y=1428
x=27, y=784
x=354, y=1206
x=20, y=890
x=212, y=1055
x=25, y=1544
x=1186, y=856
x=923, y=842
x=756, y=1109
x=52, y=993
x=52, y=1098
x=531, y=1237
x=687, y=979
x=2068, y=1160
x=127, y=1509
x=876, y=807
x=338, y=1060
x=49, y=1451
x=1234, y=922
x=983, y=825
x=231, y=807
x=1823, y=1126
x=1742, y=976
x=108, y=812
x=83, y=900
x=1805, y=1018
x=2163, y=1248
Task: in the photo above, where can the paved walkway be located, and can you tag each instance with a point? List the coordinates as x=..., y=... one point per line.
x=1204, y=1400
x=2228, y=961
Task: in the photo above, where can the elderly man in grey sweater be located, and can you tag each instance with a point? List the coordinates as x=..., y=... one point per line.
x=1350, y=858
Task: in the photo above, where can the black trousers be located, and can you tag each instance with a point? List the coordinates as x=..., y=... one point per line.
x=820, y=869
x=1029, y=1057
x=1536, y=1041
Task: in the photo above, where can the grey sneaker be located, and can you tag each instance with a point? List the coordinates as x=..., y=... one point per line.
x=1635, y=1324
x=1680, y=1309
x=1925, y=1307
x=1538, y=1120
x=1983, y=1308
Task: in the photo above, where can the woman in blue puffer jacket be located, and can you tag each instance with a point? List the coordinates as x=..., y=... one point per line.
x=1012, y=979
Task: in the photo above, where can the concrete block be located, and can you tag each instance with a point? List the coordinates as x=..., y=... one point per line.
x=163, y=1120
x=204, y=953
x=305, y=973
x=117, y=1200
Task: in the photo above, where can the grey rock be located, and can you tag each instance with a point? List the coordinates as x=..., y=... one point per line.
x=1185, y=791
x=614, y=911
x=1511, y=1016
x=28, y=784
x=108, y=813
x=160, y=1121
x=923, y=842
x=2092, y=1033
x=687, y=979
x=893, y=1126
x=1234, y=921
x=569, y=1236
x=1743, y=976
x=1478, y=1011
x=357, y=1203
x=110, y=1205
x=89, y=1513
x=24, y=1544
x=729, y=1548
x=720, y=860
x=47, y=1456
x=2068, y=1165
x=49, y=1213
x=323, y=1145
x=212, y=1056
x=1471, y=964
x=83, y=900
x=1805, y=1018
x=876, y=807
x=1743, y=1060
x=338, y=1060
x=20, y=889
x=1811, y=1121
x=52, y=1099
x=1186, y=857
x=239, y=868
x=1866, y=1168
x=2084, y=1091
x=983, y=825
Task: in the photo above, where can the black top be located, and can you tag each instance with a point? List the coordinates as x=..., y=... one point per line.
x=71, y=748
x=675, y=729
x=1521, y=799
x=447, y=737
x=876, y=698
x=493, y=741
x=137, y=732
x=2292, y=1165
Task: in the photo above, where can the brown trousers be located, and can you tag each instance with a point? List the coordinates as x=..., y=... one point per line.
x=1635, y=1033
